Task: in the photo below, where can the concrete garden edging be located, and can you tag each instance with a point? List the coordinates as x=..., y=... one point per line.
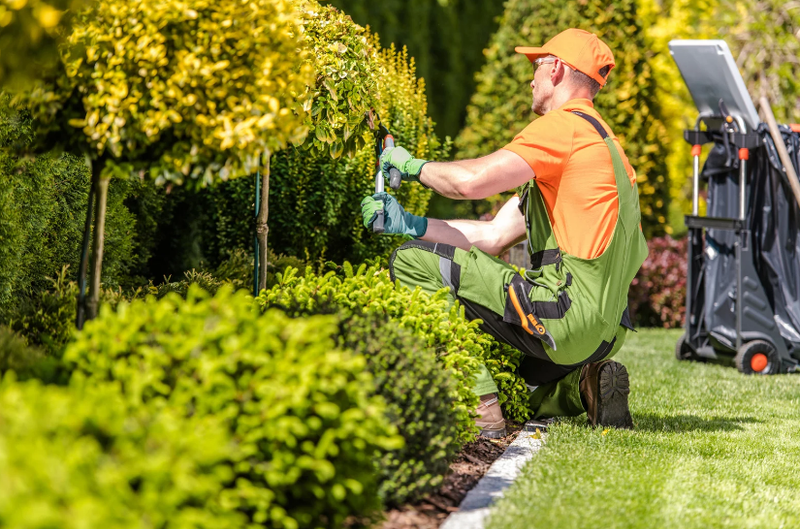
x=476, y=505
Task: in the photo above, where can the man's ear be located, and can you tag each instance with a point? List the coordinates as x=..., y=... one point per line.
x=558, y=72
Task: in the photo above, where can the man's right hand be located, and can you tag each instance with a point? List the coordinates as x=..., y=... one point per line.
x=396, y=220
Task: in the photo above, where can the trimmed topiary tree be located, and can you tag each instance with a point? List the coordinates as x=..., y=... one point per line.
x=501, y=105
x=181, y=93
x=317, y=197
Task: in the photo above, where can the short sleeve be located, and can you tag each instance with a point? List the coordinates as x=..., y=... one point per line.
x=545, y=145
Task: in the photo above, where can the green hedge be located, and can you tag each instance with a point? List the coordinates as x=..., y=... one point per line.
x=300, y=409
x=419, y=395
x=81, y=459
x=42, y=214
x=500, y=108
x=459, y=344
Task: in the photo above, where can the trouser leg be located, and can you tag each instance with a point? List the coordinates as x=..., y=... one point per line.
x=416, y=267
x=555, y=390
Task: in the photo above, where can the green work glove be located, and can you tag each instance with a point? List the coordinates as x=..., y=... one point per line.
x=401, y=159
x=396, y=220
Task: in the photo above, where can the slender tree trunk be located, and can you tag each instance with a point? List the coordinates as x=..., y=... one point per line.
x=262, y=229
x=101, y=196
x=80, y=313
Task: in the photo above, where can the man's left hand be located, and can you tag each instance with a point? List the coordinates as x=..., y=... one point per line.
x=401, y=159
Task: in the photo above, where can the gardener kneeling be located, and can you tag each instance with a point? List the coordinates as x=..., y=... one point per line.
x=577, y=203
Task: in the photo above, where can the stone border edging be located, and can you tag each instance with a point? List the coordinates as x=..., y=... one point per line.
x=475, y=507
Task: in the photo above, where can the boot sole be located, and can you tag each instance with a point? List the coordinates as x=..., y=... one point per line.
x=492, y=434
x=612, y=405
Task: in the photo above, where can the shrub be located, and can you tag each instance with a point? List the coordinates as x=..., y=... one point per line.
x=459, y=344
x=419, y=395
x=16, y=355
x=79, y=458
x=420, y=398
x=446, y=39
x=658, y=292
x=42, y=214
x=299, y=408
x=501, y=104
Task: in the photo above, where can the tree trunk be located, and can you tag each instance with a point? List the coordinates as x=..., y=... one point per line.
x=262, y=229
x=101, y=195
x=80, y=313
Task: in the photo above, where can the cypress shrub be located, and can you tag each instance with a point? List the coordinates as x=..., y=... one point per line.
x=300, y=409
x=501, y=104
x=43, y=202
x=79, y=458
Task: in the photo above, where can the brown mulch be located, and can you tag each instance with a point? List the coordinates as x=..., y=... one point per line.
x=468, y=468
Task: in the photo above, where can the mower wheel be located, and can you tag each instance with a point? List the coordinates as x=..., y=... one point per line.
x=758, y=357
x=682, y=349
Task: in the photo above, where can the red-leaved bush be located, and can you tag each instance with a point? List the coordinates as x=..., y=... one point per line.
x=658, y=293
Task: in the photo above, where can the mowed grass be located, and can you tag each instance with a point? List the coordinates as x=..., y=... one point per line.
x=711, y=448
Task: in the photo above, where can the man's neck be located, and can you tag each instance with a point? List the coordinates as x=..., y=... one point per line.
x=561, y=97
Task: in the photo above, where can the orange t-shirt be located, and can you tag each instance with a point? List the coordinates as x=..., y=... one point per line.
x=573, y=169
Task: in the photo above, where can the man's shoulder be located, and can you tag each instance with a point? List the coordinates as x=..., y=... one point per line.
x=554, y=125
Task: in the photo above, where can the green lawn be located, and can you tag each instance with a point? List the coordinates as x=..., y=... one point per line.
x=712, y=448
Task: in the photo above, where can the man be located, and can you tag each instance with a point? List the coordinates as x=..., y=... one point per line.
x=578, y=205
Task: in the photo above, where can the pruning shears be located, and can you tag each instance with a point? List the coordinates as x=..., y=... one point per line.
x=383, y=140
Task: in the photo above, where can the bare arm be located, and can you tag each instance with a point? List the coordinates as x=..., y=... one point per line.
x=478, y=178
x=493, y=237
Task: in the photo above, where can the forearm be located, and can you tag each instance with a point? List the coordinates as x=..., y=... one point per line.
x=464, y=234
x=449, y=179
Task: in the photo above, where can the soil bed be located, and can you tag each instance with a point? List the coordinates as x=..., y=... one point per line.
x=468, y=468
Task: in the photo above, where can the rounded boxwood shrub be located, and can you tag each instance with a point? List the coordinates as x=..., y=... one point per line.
x=79, y=458
x=419, y=396
x=459, y=345
x=300, y=409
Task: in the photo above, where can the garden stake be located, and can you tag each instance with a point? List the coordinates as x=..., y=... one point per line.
x=255, y=235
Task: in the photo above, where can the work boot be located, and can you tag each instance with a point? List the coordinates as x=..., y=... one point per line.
x=490, y=417
x=604, y=388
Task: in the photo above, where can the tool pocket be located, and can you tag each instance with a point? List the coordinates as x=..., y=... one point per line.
x=521, y=310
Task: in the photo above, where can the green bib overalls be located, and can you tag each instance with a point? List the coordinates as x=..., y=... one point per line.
x=565, y=312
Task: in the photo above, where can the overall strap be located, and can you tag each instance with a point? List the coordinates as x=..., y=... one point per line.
x=628, y=195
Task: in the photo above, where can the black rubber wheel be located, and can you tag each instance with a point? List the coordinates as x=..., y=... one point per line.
x=758, y=357
x=682, y=349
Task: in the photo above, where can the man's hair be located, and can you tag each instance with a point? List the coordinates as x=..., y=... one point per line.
x=582, y=80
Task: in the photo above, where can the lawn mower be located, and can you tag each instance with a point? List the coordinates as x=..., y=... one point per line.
x=743, y=277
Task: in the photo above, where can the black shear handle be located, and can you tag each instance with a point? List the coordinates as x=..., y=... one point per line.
x=395, y=178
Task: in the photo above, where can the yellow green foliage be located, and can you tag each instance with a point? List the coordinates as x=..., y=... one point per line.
x=501, y=105
x=347, y=74
x=764, y=40
x=301, y=411
x=30, y=31
x=315, y=199
x=80, y=458
x=200, y=90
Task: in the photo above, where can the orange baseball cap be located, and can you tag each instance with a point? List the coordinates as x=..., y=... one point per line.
x=578, y=48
